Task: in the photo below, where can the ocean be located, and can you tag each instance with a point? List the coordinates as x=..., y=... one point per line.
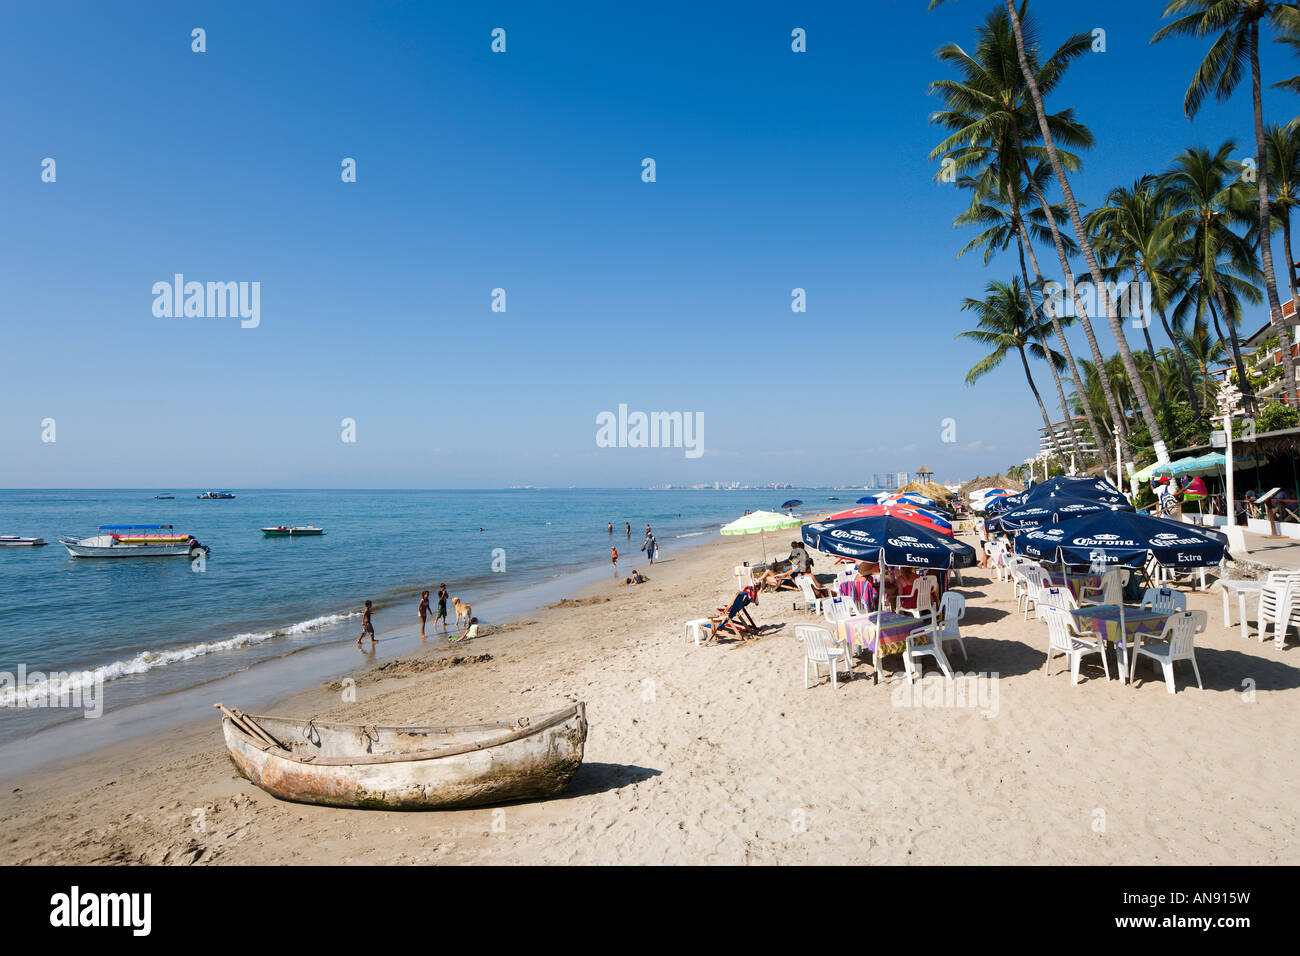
x=146, y=628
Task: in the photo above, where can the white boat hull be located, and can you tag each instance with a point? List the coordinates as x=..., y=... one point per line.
x=102, y=546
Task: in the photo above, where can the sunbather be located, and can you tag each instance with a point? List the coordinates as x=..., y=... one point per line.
x=735, y=619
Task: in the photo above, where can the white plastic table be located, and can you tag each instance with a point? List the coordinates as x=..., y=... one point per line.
x=1241, y=589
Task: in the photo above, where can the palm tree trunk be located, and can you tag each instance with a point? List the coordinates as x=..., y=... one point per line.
x=1243, y=381
x=1265, y=223
x=1021, y=240
x=1182, y=362
x=1085, y=246
x=1146, y=333
x=1103, y=447
x=1047, y=421
x=1116, y=418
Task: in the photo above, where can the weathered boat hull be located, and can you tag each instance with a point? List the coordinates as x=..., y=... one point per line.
x=412, y=768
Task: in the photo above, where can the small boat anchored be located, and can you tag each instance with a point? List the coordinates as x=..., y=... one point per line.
x=407, y=768
x=287, y=531
x=17, y=541
x=164, y=497
x=207, y=495
x=133, y=541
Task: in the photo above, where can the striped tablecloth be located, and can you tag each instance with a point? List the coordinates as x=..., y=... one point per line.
x=1075, y=582
x=889, y=637
x=1104, y=619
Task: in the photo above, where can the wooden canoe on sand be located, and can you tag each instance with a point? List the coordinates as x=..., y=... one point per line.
x=410, y=768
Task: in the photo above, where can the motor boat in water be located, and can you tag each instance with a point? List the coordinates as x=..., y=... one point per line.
x=286, y=531
x=214, y=494
x=164, y=497
x=134, y=541
x=17, y=541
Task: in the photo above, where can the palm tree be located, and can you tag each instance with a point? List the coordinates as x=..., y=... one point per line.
x=1113, y=227
x=1235, y=24
x=989, y=117
x=1200, y=185
x=1007, y=323
x=1080, y=232
x=1139, y=230
x=1203, y=352
x=1003, y=222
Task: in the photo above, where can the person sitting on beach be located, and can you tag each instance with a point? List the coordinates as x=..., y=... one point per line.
x=736, y=620
x=471, y=632
x=637, y=577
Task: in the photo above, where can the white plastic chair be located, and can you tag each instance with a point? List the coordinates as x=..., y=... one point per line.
x=812, y=601
x=695, y=629
x=1181, y=630
x=1287, y=616
x=1028, y=579
x=1272, y=602
x=1064, y=637
x=1164, y=600
x=1109, y=591
x=922, y=595
x=997, y=552
x=911, y=651
x=1057, y=597
x=819, y=649
x=840, y=607
x=952, y=608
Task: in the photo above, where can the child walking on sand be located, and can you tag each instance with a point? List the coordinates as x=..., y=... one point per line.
x=366, y=626
x=613, y=557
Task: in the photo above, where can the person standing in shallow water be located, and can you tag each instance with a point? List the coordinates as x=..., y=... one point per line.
x=629, y=529
x=609, y=528
x=423, y=612
x=442, y=608
x=613, y=557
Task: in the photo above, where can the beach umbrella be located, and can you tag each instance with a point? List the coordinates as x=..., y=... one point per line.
x=761, y=522
x=792, y=503
x=927, y=519
x=1124, y=537
x=911, y=498
x=1055, y=508
x=868, y=499
x=888, y=539
x=988, y=493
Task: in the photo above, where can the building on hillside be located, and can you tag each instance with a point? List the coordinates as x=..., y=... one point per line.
x=1082, y=434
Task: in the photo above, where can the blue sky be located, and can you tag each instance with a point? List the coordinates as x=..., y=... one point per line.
x=520, y=171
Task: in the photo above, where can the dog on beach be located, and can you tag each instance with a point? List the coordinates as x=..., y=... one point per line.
x=462, y=610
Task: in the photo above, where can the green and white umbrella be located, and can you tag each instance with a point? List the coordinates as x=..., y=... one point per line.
x=761, y=522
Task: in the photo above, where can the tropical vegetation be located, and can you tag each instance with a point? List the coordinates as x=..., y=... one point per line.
x=1168, y=263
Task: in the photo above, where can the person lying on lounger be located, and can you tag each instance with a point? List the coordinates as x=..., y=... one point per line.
x=736, y=620
x=773, y=580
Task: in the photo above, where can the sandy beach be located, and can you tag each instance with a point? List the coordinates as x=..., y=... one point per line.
x=718, y=754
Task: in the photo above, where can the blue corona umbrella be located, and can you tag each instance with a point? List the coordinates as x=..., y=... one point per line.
x=792, y=503
x=1051, y=510
x=1124, y=537
x=885, y=539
